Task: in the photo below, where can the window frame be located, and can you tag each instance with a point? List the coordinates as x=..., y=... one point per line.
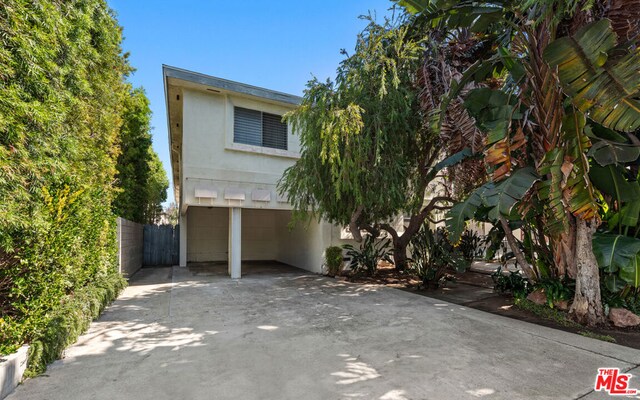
x=273, y=108
x=273, y=120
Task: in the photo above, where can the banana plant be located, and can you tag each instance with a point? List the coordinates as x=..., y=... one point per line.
x=601, y=78
x=573, y=88
x=500, y=200
x=613, y=181
x=602, y=81
x=619, y=258
x=610, y=147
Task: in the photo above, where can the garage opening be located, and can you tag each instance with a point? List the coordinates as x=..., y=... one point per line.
x=266, y=242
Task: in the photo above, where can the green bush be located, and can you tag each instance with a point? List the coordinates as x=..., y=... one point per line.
x=557, y=290
x=333, y=258
x=471, y=245
x=364, y=260
x=71, y=319
x=432, y=254
x=62, y=89
x=628, y=298
x=513, y=283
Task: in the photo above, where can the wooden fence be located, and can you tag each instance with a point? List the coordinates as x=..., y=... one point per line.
x=161, y=245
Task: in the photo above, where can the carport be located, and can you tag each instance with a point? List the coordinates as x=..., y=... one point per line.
x=237, y=236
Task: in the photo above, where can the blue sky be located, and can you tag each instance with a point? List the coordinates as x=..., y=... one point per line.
x=277, y=44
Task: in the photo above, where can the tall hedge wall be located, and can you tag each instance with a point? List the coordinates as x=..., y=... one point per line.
x=62, y=85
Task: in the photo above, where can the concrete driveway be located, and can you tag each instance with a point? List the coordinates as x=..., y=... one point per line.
x=280, y=333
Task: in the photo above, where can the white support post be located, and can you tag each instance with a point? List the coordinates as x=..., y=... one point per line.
x=183, y=240
x=235, y=242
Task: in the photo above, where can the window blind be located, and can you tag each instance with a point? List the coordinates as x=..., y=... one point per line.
x=274, y=132
x=247, y=126
x=259, y=129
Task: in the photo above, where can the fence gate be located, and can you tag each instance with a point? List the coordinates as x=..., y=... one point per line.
x=161, y=245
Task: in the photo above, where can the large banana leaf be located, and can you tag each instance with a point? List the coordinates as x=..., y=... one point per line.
x=631, y=273
x=450, y=161
x=614, y=283
x=611, y=180
x=610, y=147
x=501, y=200
x=499, y=155
x=607, y=153
x=616, y=253
x=453, y=159
x=504, y=196
x=601, y=80
x=460, y=213
x=493, y=111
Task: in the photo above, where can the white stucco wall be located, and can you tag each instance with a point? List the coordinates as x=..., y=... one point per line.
x=260, y=240
x=303, y=246
x=207, y=234
x=212, y=162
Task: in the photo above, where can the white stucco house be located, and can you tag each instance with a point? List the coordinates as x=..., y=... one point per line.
x=228, y=150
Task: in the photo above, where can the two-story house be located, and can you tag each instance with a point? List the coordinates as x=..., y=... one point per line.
x=229, y=147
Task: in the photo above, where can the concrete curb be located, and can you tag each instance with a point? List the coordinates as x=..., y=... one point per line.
x=11, y=370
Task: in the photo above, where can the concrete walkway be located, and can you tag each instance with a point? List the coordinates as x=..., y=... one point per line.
x=282, y=334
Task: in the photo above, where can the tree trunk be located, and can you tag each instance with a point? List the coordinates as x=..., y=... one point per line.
x=564, y=250
x=528, y=272
x=400, y=254
x=587, y=304
x=400, y=244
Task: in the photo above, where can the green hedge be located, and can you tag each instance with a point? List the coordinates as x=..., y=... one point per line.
x=72, y=319
x=62, y=90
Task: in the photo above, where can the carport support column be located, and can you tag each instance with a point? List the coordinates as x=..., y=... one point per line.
x=235, y=242
x=183, y=240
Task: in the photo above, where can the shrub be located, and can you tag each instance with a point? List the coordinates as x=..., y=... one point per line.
x=471, y=245
x=432, y=254
x=333, y=258
x=364, y=261
x=628, y=298
x=512, y=283
x=557, y=290
x=71, y=319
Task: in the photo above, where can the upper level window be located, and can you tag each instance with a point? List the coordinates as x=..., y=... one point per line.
x=259, y=129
